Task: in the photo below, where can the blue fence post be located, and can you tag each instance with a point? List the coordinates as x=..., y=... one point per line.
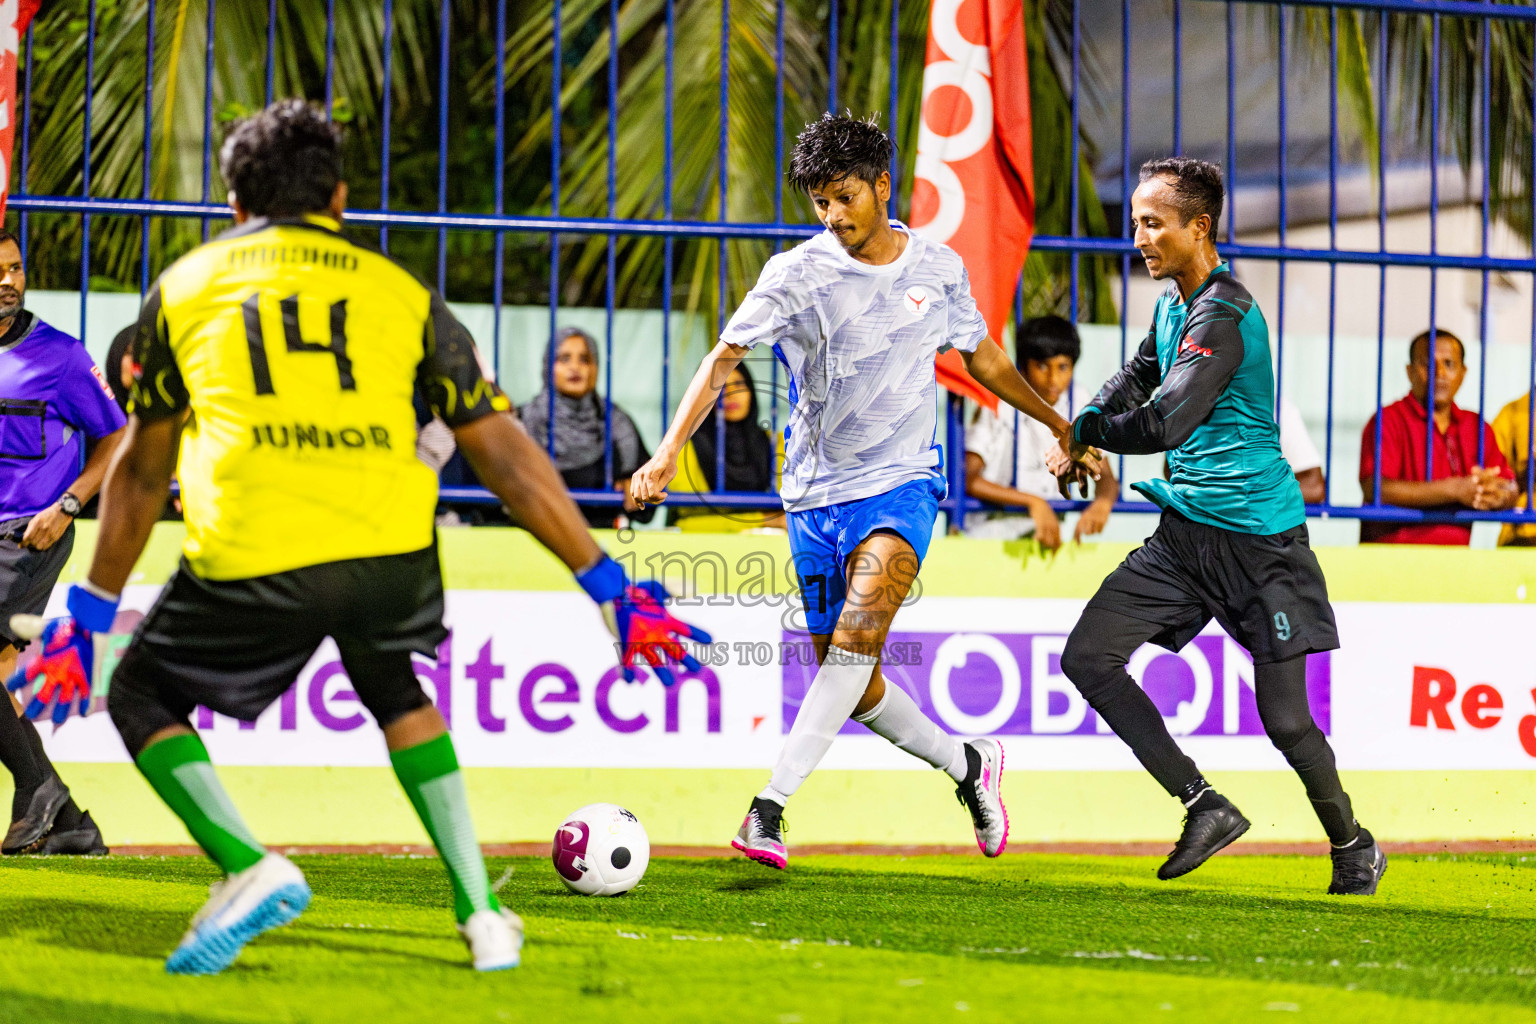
x=666, y=206
x=723, y=171
x=330, y=58
x=557, y=84
x=1284, y=218
x=1333, y=241
x=1432, y=346
x=386, y=112
x=26, y=138
x=208, y=49
x=1530, y=398
x=85, y=161
x=1381, y=232
x=1075, y=151
x=442, y=132
x=1485, y=133
x=149, y=138
x=498, y=262
x=610, y=267
x=269, y=72
x=894, y=84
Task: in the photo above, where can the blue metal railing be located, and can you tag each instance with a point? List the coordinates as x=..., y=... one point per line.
x=1111, y=251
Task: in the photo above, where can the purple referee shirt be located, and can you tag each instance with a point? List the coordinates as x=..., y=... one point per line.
x=51, y=392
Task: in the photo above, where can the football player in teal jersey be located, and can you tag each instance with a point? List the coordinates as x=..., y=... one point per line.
x=1232, y=543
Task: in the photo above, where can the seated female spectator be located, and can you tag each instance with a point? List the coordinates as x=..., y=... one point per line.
x=749, y=463
x=581, y=421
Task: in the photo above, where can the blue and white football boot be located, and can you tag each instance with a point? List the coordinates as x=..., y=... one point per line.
x=494, y=938
x=266, y=895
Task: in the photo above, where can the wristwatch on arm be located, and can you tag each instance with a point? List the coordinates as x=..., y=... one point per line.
x=69, y=504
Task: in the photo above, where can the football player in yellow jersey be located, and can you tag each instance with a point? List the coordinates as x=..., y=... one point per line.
x=280, y=360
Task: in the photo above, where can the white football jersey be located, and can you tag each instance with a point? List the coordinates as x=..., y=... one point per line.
x=858, y=342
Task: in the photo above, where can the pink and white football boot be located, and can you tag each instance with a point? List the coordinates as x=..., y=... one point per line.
x=762, y=834
x=982, y=794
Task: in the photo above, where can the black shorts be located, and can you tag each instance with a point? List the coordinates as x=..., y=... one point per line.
x=27, y=577
x=236, y=646
x=1266, y=591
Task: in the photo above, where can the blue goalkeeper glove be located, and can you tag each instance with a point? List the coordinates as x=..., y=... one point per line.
x=638, y=619
x=63, y=674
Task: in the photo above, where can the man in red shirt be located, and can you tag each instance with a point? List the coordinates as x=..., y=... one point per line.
x=1458, y=480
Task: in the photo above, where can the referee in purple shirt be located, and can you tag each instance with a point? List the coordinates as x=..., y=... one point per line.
x=59, y=426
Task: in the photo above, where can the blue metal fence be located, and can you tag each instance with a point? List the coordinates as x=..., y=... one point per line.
x=611, y=227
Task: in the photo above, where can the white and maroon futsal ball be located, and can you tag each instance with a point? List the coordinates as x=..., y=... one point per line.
x=601, y=850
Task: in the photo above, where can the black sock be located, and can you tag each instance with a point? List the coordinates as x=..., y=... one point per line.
x=1362, y=838
x=1281, y=690
x=1094, y=659
x=17, y=756
x=1199, y=796
x=70, y=814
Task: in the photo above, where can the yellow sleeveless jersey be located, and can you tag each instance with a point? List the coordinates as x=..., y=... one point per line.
x=296, y=355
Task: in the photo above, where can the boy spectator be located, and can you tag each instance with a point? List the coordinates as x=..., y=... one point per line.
x=1512, y=427
x=1002, y=472
x=1455, y=480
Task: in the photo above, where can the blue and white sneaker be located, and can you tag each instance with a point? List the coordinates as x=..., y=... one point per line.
x=266, y=895
x=494, y=938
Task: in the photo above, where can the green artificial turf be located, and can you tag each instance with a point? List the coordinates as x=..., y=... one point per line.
x=855, y=938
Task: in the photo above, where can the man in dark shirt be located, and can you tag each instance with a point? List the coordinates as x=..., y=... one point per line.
x=1232, y=543
x=1459, y=479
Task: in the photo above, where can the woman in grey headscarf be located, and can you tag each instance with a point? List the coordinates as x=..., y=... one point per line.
x=581, y=419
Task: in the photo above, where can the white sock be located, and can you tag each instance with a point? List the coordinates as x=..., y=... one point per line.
x=898, y=718
x=834, y=693
x=769, y=793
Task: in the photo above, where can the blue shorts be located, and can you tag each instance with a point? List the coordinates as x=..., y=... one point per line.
x=821, y=539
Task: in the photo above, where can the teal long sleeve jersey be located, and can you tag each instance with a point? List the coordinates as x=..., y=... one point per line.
x=1201, y=387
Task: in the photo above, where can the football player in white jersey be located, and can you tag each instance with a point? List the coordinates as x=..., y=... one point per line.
x=857, y=315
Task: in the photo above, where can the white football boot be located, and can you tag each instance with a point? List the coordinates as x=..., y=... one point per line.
x=266, y=895
x=982, y=794
x=494, y=938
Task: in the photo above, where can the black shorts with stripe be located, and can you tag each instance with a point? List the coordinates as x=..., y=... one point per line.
x=1266, y=591
x=235, y=646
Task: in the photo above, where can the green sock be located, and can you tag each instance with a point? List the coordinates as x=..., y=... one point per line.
x=179, y=770
x=429, y=774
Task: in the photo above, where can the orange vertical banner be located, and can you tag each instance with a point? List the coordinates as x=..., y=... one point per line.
x=973, y=186
x=15, y=16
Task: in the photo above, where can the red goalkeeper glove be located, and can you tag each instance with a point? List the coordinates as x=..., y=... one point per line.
x=637, y=617
x=62, y=675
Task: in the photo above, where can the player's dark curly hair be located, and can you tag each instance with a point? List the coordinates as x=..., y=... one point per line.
x=1197, y=185
x=1043, y=338
x=283, y=161
x=835, y=147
